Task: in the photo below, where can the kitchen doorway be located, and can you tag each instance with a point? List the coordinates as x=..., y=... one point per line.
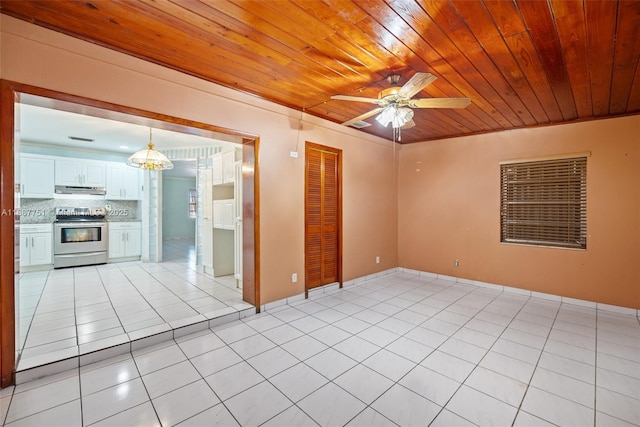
x=14, y=93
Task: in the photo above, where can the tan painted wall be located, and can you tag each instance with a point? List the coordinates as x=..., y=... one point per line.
x=449, y=210
x=43, y=58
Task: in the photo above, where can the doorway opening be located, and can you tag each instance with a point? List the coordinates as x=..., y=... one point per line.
x=12, y=95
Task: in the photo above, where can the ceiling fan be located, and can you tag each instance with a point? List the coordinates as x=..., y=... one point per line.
x=395, y=103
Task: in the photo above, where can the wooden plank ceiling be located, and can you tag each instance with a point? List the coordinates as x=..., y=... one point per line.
x=522, y=63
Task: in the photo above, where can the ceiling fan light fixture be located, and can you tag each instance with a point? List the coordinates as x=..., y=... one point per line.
x=402, y=117
x=386, y=116
x=149, y=158
x=398, y=117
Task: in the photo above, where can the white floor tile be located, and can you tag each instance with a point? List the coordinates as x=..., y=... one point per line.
x=331, y=406
x=555, y=409
x=330, y=363
x=46, y=396
x=249, y=347
x=432, y=385
x=170, y=378
x=184, y=403
x=618, y=405
x=264, y=322
x=258, y=404
x=233, y=380
x=364, y=383
x=524, y=419
x=569, y=351
x=426, y=337
x=158, y=357
x=200, y=344
x=304, y=347
x=111, y=401
x=463, y=350
x=378, y=336
x=410, y=349
x=293, y=416
x=96, y=379
x=406, y=408
x=619, y=365
x=496, y=385
x=370, y=418
x=447, y=418
x=389, y=364
x=367, y=336
x=272, y=362
x=569, y=367
x=330, y=335
x=216, y=360
x=449, y=366
x=480, y=408
x=298, y=381
x=141, y=415
x=356, y=348
x=217, y=416
x=524, y=338
x=563, y=386
x=68, y=414
x=609, y=421
x=517, y=351
x=308, y=324
x=508, y=366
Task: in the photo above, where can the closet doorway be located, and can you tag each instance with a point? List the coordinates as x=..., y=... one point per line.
x=323, y=216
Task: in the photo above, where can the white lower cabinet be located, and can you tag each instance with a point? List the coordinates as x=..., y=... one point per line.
x=223, y=214
x=36, y=244
x=125, y=240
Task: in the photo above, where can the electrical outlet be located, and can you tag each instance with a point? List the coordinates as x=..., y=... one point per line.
x=294, y=277
x=456, y=263
x=377, y=260
x=293, y=154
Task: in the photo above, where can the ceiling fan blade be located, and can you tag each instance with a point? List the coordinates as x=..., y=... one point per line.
x=439, y=102
x=355, y=98
x=415, y=84
x=363, y=116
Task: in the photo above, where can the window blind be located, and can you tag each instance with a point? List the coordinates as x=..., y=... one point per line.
x=545, y=202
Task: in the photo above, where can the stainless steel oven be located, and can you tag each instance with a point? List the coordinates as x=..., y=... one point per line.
x=80, y=237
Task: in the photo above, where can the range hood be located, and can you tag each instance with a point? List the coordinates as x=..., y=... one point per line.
x=69, y=189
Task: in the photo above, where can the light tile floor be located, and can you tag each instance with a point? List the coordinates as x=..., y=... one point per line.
x=397, y=350
x=74, y=311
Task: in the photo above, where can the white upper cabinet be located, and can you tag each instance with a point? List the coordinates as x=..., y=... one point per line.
x=216, y=168
x=228, y=166
x=80, y=173
x=36, y=176
x=123, y=182
x=223, y=165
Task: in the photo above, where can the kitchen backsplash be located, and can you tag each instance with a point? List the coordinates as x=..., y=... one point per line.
x=34, y=211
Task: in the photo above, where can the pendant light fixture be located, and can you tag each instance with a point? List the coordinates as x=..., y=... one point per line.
x=149, y=158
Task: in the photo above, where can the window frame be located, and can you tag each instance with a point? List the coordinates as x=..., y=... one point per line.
x=193, y=203
x=543, y=201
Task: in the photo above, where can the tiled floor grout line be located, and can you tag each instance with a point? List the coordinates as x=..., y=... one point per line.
x=397, y=382
x=476, y=365
x=115, y=312
x=525, y=307
x=524, y=395
x=24, y=344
